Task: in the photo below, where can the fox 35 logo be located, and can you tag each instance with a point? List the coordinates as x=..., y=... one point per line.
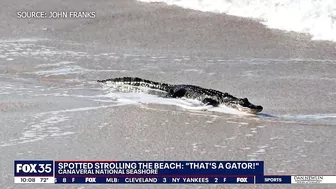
x=33, y=168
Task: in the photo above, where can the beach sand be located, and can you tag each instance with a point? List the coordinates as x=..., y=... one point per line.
x=52, y=108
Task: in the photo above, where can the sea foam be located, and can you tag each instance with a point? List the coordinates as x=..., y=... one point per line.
x=314, y=17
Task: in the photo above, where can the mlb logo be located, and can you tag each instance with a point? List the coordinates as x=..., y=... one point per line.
x=30, y=168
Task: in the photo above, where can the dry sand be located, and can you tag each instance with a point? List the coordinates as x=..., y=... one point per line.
x=50, y=106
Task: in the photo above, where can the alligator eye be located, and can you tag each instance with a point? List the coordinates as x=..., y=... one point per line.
x=241, y=102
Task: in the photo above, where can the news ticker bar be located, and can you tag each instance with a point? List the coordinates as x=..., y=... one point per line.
x=275, y=179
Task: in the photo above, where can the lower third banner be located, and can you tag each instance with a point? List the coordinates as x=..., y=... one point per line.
x=154, y=172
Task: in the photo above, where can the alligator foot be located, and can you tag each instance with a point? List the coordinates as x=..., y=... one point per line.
x=209, y=101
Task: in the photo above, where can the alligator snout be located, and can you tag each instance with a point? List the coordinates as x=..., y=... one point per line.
x=259, y=108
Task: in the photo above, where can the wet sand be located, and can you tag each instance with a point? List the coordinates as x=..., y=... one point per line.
x=52, y=108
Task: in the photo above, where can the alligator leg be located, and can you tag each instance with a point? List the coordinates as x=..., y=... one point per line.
x=209, y=101
x=179, y=93
x=176, y=94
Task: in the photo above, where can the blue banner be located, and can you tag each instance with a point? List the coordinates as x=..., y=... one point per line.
x=163, y=168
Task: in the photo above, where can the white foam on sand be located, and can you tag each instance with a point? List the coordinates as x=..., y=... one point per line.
x=41, y=127
x=65, y=70
x=330, y=117
x=314, y=17
x=55, y=64
x=15, y=48
x=22, y=40
x=51, y=124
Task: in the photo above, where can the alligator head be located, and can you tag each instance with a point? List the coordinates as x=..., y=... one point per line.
x=242, y=104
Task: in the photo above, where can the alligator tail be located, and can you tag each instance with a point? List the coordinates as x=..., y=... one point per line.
x=135, y=81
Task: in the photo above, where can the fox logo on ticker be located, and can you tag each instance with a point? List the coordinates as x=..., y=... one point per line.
x=33, y=168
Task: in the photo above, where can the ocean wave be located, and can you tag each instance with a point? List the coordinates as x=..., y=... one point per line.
x=314, y=17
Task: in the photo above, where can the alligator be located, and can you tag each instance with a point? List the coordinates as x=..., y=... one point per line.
x=206, y=96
